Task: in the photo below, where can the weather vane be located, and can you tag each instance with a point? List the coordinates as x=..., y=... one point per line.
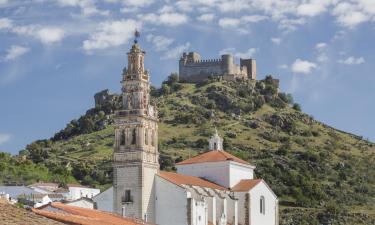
x=136, y=36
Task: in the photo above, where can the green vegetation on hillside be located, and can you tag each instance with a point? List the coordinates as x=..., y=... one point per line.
x=315, y=169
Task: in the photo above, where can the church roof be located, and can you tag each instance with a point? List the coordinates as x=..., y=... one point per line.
x=246, y=185
x=82, y=216
x=180, y=179
x=213, y=156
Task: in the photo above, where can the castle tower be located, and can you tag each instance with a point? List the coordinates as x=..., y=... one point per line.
x=135, y=157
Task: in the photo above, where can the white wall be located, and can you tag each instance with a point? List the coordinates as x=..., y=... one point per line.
x=217, y=172
x=224, y=173
x=104, y=200
x=79, y=192
x=170, y=203
x=238, y=173
x=269, y=217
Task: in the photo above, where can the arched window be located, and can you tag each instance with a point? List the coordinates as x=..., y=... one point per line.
x=262, y=203
x=146, y=137
x=122, y=138
x=134, y=137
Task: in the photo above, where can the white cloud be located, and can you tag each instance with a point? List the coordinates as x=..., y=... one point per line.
x=167, y=19
x=111, y=34
x=50, y=35
x=247, y=54
x=5, y=23
x=276, y=40
x=133, y=3
x=4, y=138
x=3, y=2
x=311, y=9
x=253, y=18
x=321, y=50
x=176, y=52
x=88, y=7
x=229, y=22
x=138, y=3
x=283, y=66
x=161, y=43
x=320, y=46
x=47, y=35
x=349, y=15
x=14, y=52
x=233, y=6
x=208, y=17
x=352, y=61
x=302, y=66
x=232, y=22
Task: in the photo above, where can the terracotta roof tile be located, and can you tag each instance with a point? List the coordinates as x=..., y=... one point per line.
x=82, y=216
x=213, y=156
x=180, y=179
x=246, y=185
x=9, y=214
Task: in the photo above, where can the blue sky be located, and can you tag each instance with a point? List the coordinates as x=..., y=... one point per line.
x=55, y=54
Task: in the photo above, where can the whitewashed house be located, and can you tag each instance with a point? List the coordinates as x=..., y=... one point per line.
x=104, y=200
x=214, y=188
x=77, y=191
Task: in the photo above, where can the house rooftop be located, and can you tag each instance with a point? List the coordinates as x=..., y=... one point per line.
x=81, y=216
x=10, y=214
x=180, y=180
x=246, y=185
x=213, y=156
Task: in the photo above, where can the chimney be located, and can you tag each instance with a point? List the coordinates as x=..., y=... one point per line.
x=123, y=211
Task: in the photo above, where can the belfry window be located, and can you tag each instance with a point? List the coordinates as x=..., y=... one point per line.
x=134, y=137
x=262, y=205
x=122, y=138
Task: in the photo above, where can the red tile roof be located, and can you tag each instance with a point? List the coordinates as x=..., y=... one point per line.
x=213, y=156
x=82, y=216
x=180, y=179
x=10, y=214
x=246, y=185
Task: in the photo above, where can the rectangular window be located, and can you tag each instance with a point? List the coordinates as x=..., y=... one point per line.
x=262, y=205
x=127, y=198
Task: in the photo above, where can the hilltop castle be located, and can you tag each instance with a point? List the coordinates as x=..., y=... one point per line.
x=212, y=188
x=193, y=69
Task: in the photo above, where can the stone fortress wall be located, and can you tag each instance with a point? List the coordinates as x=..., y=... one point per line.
x=193, y=69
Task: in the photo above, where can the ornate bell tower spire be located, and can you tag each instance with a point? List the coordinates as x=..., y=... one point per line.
x=135, y=157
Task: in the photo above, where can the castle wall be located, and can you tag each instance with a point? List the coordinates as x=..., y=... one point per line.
x=200, y=69
x=193, y=69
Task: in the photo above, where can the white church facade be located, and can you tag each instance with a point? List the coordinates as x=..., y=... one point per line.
x=214, y=188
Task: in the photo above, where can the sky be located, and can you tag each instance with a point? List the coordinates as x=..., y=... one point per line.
x=56, y=54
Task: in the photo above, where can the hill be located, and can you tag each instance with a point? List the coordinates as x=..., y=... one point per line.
x=319, y=173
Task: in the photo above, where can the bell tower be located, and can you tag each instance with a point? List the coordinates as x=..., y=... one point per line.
x=135, y=157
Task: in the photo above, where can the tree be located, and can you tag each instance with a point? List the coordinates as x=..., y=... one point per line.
x=297, y=107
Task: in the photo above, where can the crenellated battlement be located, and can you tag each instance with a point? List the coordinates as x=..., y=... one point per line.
x=194, y=69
